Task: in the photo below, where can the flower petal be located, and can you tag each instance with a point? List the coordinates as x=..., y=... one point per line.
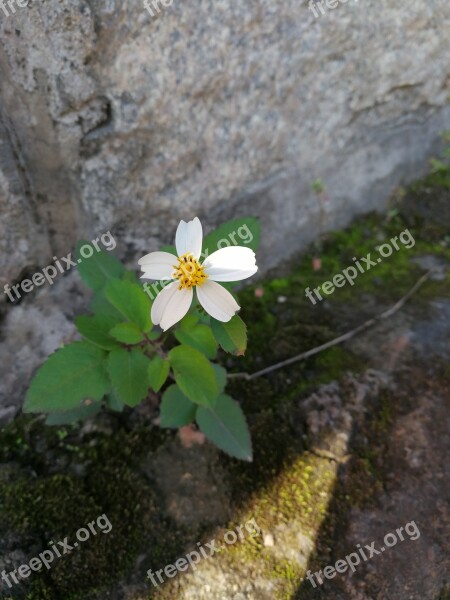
x=217, y=301
x=231, y=264
x=157, y=265
x=170, y=305
x=189, y=238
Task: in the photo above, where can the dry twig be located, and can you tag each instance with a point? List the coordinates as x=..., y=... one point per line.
x=342, y=338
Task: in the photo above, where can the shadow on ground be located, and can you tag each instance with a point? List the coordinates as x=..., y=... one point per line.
x=349, y=445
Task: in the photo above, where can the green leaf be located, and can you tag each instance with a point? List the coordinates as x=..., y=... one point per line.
x=131, y=301
x=176, y=409
x=72, y=374
x=199, y=337
x=130, y=276
x=221, y=377
x=154, y=335
x=128, y=372
x=100, y=268
x=101, y=306
x=96, y=330
x=128, y=333
x=71, y=416
x=151, y=289
x=188, y=322
x=245, y=231
x=170, y=249
x=114, y=402
x=232, y=336
x=225, y=425
x=194, y=374
x=158, y=371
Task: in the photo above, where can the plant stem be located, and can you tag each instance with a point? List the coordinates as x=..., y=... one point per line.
x=342, y=338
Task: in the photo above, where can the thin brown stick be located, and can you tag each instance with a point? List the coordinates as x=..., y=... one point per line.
x=342, y=338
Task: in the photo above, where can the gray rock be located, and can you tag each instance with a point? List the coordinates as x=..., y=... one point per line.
x=31, y=331
x=126, y=121
x=111, y=119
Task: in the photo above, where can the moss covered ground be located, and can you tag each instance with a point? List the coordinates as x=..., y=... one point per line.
x=55, y=480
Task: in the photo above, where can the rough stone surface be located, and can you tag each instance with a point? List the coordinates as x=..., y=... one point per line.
x=112, y=119
x=121, y=120
x=414, y=467
x=31, y=331
x=20, y=236
x=414, y=475
x=364, y=450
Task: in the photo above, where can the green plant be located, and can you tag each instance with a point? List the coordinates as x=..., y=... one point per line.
x=317, y=186
x=124, y=359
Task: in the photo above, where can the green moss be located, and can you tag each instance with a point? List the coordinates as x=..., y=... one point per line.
x=51, y=507
x=63, y=481
x=297, y=498
x=386, y=280
x=283, y=482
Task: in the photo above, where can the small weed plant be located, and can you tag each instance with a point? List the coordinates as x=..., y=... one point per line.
x=137, y=348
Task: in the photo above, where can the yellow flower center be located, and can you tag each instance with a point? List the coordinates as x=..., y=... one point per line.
x=189, y=272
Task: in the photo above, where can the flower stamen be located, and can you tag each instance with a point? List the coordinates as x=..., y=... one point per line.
x=189, y=272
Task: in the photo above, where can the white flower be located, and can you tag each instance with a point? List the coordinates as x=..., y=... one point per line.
x=232, y=263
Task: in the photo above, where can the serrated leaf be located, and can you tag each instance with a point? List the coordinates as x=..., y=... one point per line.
x=231, y=336
x=100, y=268
x=245, y=231
x=128, y=372
x=71, y=416
x=127, y=333
x=194, y=374
x=199, y=337
x=131, y=301
x=176, y=409
x=221, y=377
x=96, y=330
x=224, y=424
x=69, y=376
x=158, y=371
